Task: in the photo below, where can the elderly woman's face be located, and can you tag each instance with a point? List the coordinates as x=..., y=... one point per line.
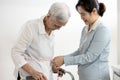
x=55, y=24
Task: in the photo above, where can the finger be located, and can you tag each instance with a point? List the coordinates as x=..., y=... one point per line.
x=40, y=78
x=54, y=64
x=44, y=77
x=37, y=78
x=54, y=69
x=52, y=61
x=60, y=74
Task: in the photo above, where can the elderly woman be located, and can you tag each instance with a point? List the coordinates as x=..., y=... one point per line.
x=33, y=50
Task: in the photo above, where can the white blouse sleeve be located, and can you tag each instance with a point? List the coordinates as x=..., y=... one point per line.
x=23, y=41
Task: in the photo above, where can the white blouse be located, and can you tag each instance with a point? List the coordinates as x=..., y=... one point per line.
x=34, y=47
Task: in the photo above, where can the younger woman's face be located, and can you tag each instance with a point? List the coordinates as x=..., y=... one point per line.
x=87, y=17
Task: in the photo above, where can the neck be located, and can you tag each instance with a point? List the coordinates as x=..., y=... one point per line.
x=90, y=25
x=47, y=29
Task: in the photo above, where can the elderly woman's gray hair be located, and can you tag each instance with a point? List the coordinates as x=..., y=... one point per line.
x=60, y=11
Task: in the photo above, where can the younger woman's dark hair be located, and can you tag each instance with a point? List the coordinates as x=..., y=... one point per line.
x=88, y=5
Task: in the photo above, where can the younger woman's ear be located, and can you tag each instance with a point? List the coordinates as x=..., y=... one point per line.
x=94, y=10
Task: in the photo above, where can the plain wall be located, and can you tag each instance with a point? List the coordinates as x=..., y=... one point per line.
x=14, y=13
x=118, y=20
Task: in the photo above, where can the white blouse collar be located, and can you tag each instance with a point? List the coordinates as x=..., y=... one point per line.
x=95, y=25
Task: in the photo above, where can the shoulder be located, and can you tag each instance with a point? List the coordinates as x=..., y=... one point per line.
x=103, y=28
x=103, y=32
x=31, y=24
